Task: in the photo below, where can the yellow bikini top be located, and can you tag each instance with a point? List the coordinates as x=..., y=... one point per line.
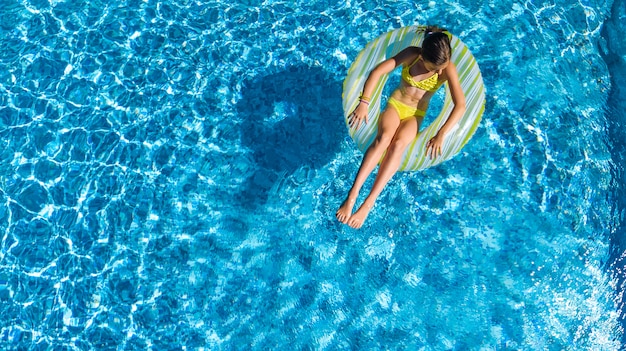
x=428, y=84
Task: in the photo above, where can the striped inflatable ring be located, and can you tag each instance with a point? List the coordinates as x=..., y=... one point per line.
x=387, y=46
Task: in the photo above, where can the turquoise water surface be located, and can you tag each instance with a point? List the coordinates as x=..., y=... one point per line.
x=170, y=172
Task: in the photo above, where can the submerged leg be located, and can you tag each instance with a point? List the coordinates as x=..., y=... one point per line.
x=387, y=127
x=389, y=166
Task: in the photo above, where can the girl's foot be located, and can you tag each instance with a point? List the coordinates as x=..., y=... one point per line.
x=358, y=218
x=345, y=211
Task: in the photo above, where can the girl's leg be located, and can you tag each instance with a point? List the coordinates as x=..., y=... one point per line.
x=387, y=127
x=404, y=136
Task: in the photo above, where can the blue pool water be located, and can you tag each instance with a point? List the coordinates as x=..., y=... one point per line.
x=170, y=170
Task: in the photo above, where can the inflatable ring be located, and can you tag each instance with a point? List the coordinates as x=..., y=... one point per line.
x=387, y=46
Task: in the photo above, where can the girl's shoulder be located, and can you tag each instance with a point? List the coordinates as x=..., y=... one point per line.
x=416, y=50
x=448, y=72
x=410, y=54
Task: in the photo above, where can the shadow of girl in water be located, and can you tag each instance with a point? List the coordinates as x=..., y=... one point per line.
x=292, y=119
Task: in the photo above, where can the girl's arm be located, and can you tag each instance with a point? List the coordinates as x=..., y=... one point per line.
x=385, y=67
x=433, y=147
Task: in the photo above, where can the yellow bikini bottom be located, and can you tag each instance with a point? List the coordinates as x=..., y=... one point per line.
x=405, y=111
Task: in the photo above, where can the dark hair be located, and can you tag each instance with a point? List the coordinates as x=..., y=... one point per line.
x=436, y=48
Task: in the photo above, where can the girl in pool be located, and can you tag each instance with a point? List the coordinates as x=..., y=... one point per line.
x=425, y=69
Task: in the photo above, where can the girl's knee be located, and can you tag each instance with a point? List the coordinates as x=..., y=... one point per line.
x=384, y=139
x=398, y=146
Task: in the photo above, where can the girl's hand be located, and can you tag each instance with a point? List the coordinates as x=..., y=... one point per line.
x=359, y=115
x=433, y=146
